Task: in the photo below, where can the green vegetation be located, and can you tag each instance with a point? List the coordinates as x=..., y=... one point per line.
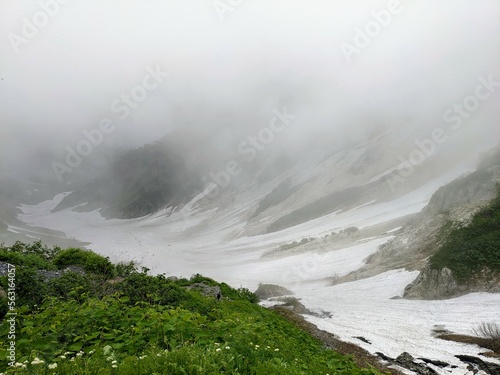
x=115, y=319
x=472, y=248
x=90, y=261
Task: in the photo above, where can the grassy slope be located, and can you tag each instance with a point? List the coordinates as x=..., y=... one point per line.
x=144, y=324
x=470, y=249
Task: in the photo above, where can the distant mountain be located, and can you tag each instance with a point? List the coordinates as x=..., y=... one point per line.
x=144, y=180
x=289, y=187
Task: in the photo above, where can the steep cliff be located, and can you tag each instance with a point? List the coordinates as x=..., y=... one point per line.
x=441, y=283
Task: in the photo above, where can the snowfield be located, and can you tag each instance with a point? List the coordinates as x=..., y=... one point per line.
x=207, y=243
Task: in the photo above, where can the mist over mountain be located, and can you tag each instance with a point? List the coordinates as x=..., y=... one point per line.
x=345, y=152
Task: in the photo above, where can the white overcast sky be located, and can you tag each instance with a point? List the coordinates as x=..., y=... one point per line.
x=264, y=53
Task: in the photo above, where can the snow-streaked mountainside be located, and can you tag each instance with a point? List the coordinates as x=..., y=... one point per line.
x=242, y=234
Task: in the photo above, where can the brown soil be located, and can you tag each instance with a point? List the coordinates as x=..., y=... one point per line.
x=361, y=356
x=493, y=345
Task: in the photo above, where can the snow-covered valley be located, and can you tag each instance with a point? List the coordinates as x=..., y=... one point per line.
x=213, y=243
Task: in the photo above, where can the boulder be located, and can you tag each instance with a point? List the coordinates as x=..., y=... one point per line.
x=266, y=291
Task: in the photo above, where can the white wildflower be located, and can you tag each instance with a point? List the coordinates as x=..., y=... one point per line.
x=37, y=361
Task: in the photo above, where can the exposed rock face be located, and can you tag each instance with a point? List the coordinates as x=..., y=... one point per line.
x=47, y=275
x=422, y=235
x=293, y=304
x=206, y=290
x=266, y=291
x=479, y=364
x=441, y=284
x=407, y=361
x=432, y=284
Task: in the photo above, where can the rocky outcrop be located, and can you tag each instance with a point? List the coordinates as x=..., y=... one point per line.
x=206, y=290
x=407, y=361
x=47, y=275
x=477, y=364
x=441, y=284
x=266, y=291
x=293, y=304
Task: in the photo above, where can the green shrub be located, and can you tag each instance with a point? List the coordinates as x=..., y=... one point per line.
x=469, y=249
x=31, y=255
x=125, y=269
x=150, y=325
x=36, y=248
x=28, y=260
x=31, y=288
x=68, y=281
x=90, y=261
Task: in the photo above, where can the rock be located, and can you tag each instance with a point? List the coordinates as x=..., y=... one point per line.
x=50, y=275
x=361, y=338
x=384, y=357
x=4, y=268
x=266, y=291
x=2, y=293
x=172, y=278
x=479, y=364
x=435, y=362
x=432, y=283
x=407, y=361
x=441, y=284
x=206, y=290
x=293, y=304
x=405, y=358
x=115, y=280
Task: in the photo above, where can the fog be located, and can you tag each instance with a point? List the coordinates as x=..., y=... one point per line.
x=230, y=63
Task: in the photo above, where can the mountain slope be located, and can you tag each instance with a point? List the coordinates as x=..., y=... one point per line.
x=429, y=231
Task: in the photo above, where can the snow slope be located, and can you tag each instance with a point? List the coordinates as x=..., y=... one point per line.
x=177, y=244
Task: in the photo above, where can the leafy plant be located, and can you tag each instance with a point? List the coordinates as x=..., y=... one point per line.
x=89, y=260
x=472, y=248
x=143, y=324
